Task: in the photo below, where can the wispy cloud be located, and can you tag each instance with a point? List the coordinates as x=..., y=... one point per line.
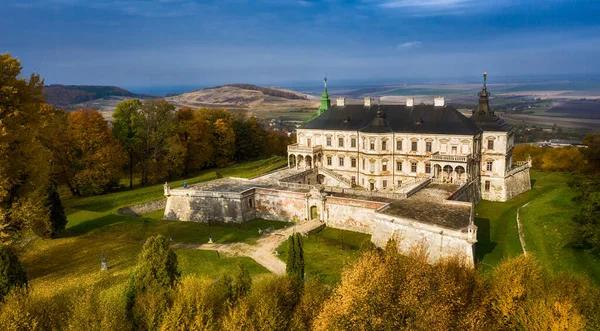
x=408, y=45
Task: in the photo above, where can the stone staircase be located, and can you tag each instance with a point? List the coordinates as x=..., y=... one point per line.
x=338, y=177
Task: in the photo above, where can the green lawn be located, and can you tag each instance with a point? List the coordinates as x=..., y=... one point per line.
x=72, y=261
x=327, y=251
x=546, y=224
x=548, y=229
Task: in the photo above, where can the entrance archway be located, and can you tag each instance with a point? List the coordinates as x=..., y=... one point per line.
x=314, y=213
x=309, y=161
x=292, y=161
x=460, y=172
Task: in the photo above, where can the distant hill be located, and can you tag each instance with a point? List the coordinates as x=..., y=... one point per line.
x=246, y=96
x=66, y=96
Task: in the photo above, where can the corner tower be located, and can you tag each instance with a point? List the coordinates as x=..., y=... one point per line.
x=325, y=100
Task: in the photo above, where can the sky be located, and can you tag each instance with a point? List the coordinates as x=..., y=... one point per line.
x=134, y=43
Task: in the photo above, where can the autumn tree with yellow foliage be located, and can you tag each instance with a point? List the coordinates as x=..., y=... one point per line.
x=24, y=170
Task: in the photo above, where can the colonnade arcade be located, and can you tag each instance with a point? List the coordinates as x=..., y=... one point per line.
x=304, y=161
x=448, y=173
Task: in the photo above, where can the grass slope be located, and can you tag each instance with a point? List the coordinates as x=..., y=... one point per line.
x=327, y=251
x=72, y=261
x=546, y=224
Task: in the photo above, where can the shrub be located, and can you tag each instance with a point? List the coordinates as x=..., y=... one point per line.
x=12, y=273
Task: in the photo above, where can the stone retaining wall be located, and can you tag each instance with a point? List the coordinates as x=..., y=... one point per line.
x=144, y=208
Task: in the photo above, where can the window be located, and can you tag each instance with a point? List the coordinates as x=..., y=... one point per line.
x=308, y=142
x=384, y=183
x=398, y=145
x=443, y=148
x=427, y=168
x=399, y=183
x=353, y=142
x=413, y=167
x=372, y=147
x=384, y=166
x=372, y=165
x=489, y=165
x=250, y=202
x=428, y=146
x=363, y=164
x=353, y=180
x=490, y=144
x=372, y=186
x=329, y=160
x=341, y=142
x=487, y=185
x=328, y=141
x=353, y=162
x=413, y=146
x=454, y=149
x=384, y=145
x=399, y=165
x=341, y=161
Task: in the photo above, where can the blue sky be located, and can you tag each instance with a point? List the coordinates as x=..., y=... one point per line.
x=193, y=42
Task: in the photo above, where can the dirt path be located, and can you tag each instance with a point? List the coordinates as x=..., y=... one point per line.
x=263, y=251
x=520, y=229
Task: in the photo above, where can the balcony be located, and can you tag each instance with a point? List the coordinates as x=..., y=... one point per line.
x=297, y=149
x=450, y=158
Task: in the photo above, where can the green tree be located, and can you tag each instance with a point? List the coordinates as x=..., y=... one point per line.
x=125, y=128
x=299, y=256
x=241, y=282
x=12, y=273
x=157, y=125
x=592, y=152
x=291, y=267
x=156, y=269
x=24, y=161
x=58, y=219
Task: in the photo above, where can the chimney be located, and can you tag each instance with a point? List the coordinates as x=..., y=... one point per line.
x=438, y=101
x=410, y=102
x=367, y=101
x=341, y=101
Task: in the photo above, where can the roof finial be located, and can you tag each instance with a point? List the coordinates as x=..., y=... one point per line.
x=484, y=79
x=325, y=81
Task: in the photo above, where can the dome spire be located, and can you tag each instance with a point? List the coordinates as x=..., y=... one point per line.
x=325, y=100
x=484, y=102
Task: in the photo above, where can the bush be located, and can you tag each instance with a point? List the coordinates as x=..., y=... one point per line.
x=12, y=273
x=91, y=312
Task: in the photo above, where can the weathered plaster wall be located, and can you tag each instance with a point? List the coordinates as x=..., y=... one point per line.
x=517, y=184
x=204, y=206
x=351, y=214
x=437, y=242
x=280, y=205
x=497, y=190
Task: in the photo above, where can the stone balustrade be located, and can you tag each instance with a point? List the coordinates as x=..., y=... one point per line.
x=296, y=148
x=450, y=158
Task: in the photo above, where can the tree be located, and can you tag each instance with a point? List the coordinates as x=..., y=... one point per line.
x=241, y=282
x=12, y=273
x=58, y=219
x=592, y=152
x=195, y=134
x=156, y=268
x=291, y=268
x=299, y=256
x=224, y=138
x=125, y=128
x=95, y=155
x=311, y=302
x=157, y=124
x=24, y=161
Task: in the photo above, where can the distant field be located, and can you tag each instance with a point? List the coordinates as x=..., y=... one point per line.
x=549, y=121
x=577, y=108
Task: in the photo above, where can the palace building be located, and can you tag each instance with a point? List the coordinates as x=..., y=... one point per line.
x=383, y=148
x=409, y=172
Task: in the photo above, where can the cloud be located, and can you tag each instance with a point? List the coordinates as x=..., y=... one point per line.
x=409, y=45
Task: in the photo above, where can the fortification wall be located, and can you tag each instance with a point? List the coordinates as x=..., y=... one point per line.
x=200, y=206
x=144, y=208
x=280, y=205
x=351, y=214
x=517, y=183
x=438, y=243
